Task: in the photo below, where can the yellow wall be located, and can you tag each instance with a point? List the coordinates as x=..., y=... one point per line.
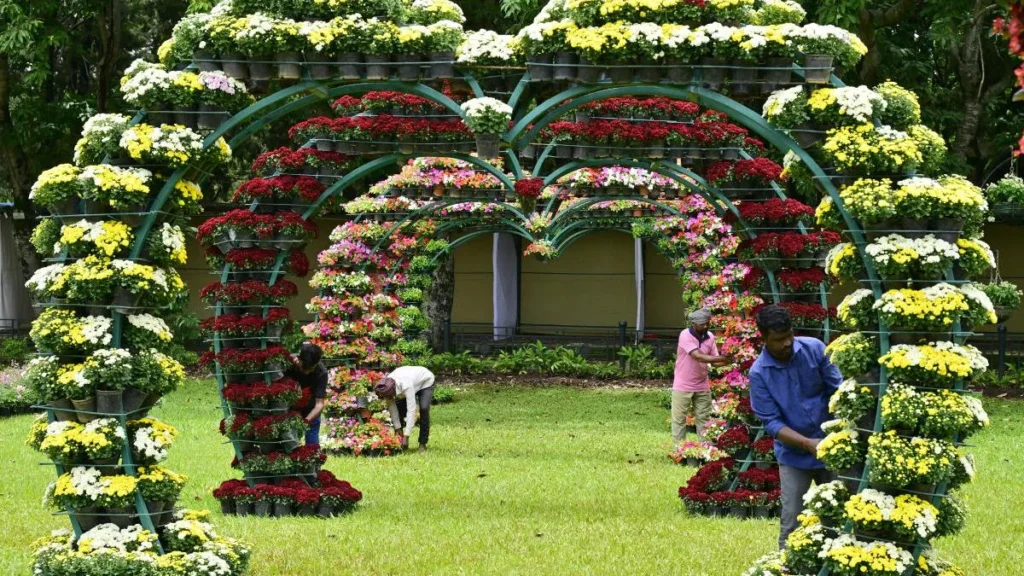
x=664, y=306
x=474, y=282
x=591, y=284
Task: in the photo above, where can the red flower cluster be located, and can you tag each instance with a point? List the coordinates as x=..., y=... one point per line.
x=329, y=489
x=250, y=292
x=529, y=187
x=383, y=128
x=298, y=263
x=308, y=454
x=265, y=226
x=733, y=440
x=755, y=172
x=806, y=315
x=774, y=212
x=764, y=446
x=279, y=189
x=286, y=160
x=245, y=324
x=760, y=480
x=383, y=101
x=712, y=477
x=623, y=132
x=790, y=244
x=269, y=427
x=801, y=280
x=251, y=258
x=248, y=360
x=644, y=108
x=262, y=394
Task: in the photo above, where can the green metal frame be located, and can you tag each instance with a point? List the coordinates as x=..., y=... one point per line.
x=527, y=125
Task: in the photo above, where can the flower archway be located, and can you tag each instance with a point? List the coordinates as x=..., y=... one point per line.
x=911, y=313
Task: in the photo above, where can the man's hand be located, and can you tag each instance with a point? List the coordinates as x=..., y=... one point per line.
x=405, y=442
x=724, y=360
x=812, y=445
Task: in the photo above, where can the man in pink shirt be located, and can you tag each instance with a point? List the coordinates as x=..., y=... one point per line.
x=697, y=349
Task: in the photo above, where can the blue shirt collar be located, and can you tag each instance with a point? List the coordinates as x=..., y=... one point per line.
x=770, y=361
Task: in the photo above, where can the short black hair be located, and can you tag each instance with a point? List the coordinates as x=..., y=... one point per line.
x=773, y=318
x=310, y=354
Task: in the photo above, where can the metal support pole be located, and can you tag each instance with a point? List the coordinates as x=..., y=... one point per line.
x=622, y=344
x=448, y=335
x=1002, y=349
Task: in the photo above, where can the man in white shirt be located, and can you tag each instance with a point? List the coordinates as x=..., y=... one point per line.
x=414, y=385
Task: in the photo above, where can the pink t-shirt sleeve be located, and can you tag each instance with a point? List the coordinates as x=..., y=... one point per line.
x=687, y=342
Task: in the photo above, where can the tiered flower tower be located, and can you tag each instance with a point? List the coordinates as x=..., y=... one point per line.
x=114, y=234
x=371, y=284
x=902, y=414
x=254, y=248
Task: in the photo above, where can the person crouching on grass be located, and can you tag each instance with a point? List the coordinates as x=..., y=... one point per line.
x=790, y=386
x=690, y=386
x=311, y=375
x=409, y=389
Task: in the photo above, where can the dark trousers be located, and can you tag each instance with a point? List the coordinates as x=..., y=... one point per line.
x=795, y=483
x=423, y=399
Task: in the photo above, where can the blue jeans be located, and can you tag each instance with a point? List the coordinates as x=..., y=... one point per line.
x=313, y=433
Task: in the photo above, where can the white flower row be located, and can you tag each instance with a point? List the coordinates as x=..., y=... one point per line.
x=151, y=323
x=479, y=107
x=486, y=45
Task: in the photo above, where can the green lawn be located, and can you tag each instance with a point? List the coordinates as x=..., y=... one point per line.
x=518, y=481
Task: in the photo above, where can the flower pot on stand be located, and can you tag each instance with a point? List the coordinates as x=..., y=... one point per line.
x=539, y=67
x=947, y=229
x=305, y=510
x=235, y=66
x=487, y=145
x=587, y=72
x=89, y=517
x=806, y=135
x=713, y=72
x=282, y=510
x=691, y=461
x=409, y=67
x=914, y=227
x=621, y=74
x=211, y=117
x=155, y=509
x=261, y=69
x=186, y=117
x=160, y=114
x=442, y=65
x=206, y=61
x=324, y=510
x=744, y=74
x=739, y=512
x=83, y=406
x=779, y=74
x=132, y=399
x=108, y=402
x=121, y=517
x=817, y=68
x=261, y=509
x=378, y=67
x=650, y=74
x=125, y=301
x=565, y=66
x=350, y=66
x=289, y=65
x=62, y=410
x=678, y=73
x=762, y=512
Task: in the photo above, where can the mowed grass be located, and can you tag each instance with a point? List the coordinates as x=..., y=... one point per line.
x=517, y=481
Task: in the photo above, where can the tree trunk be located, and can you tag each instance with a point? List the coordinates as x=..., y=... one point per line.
x=16, y=168
x=110, y=45
x=970, y=62
x=439, y=300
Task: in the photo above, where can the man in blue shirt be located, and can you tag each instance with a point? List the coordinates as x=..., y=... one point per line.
x=790, y=386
